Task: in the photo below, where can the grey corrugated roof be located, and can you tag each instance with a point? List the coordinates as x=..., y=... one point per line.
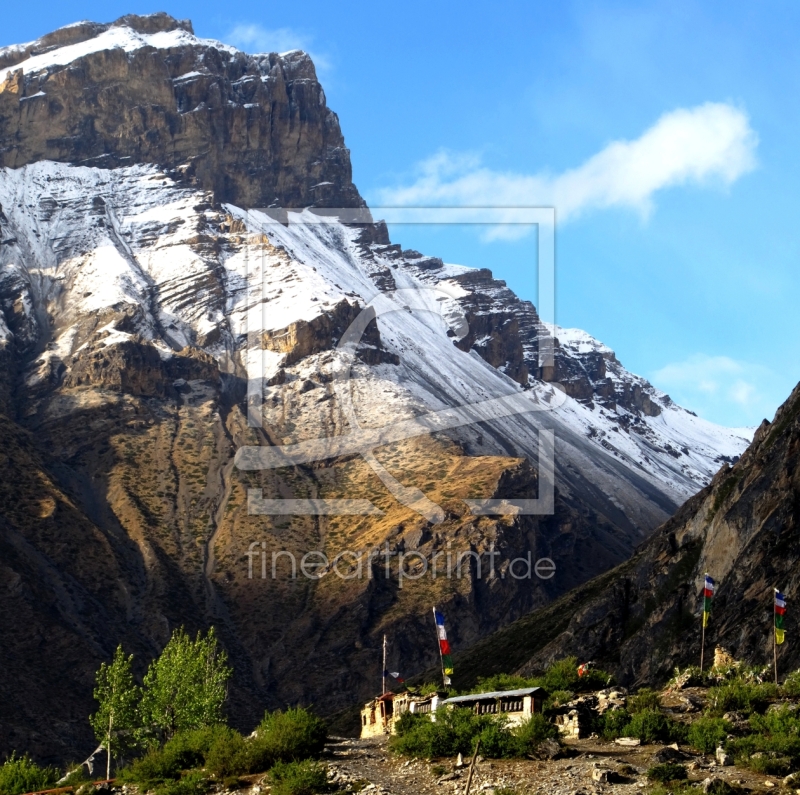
x=525, y=691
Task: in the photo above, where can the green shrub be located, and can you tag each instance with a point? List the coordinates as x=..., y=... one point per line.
x=651, y=726
x=21, y=774
x=695, y=677
x=490, y=684
x=558, y=698
x=613, y=723
x=193, y=783
x=768, y=765
x=706, y=734
x=456, y=731
x=783, y=721
x=298, y=778
x=669, y=771
x=289, y=736
x=740, y=696
x=184, y=751
x=417, y=735
x=563, y=675
x=228, y=755
x=152, y=768
x=774, y=745
x=791, y=687
x=530, y=734
x=644, y=699
x=497, y=742
x=453, y=732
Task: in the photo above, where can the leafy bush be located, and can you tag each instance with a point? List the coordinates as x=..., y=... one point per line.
x=650, y=726
x=563, y=675
x=669, y=771
x=289, y=736
x=706, y=734
x=558, y=698
x=774, y=745
x=768, y=765
x=613, y=723
x=21, y=774
x=193, y=783
x=453, y=732
x=691, y=676
x=184, y=751
x=644, y=699
x=456, y=731
x=298, y=778
x=530, y=734
x=228, y=755
x=791, y=687
x=740, y=696
x=497, y=742
x=490, y=684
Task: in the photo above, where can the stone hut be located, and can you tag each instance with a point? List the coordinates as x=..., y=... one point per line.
x=380, y=715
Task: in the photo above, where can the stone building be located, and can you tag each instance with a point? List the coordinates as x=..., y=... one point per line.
x=381, y=714
x=516, y=705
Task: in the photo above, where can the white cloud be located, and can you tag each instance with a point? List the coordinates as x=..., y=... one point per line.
x=255, y=38
x=709, y=144
x=721, y=389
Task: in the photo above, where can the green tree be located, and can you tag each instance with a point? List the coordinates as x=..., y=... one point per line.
x=118, y=696
x=186, y=687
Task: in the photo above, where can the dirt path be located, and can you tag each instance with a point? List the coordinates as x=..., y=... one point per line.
x=369, y=766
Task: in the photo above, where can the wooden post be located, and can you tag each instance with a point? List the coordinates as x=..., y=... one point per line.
x=774, y=637
x=472, y=766
x=383, y=671
x=439, y=645
x=703, y=643
x=775, y=654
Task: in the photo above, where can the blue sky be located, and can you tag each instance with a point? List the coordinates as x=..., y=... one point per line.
x=683, y=258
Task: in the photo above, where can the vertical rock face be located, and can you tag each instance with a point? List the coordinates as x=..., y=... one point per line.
x=255, y=130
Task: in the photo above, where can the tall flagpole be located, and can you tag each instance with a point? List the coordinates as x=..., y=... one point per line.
x=703, y=643
x=383, y=674
x=774, y=637
x=439, y=645
x=708, y=595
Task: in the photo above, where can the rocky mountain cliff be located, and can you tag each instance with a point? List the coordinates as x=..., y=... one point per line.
x=643, y=618
x=154, y=322
x=253, y=129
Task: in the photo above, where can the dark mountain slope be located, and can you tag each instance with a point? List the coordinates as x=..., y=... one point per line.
x=642, y=618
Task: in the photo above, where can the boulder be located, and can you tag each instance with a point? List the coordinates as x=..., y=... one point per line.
x=723, y=759
x=714, y=785
x=668, y=754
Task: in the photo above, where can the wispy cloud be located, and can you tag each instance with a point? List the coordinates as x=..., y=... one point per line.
x=254, y=38
x=720, y=388
x=712, y=144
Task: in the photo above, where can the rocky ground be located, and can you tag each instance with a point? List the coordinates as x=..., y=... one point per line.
x=588, y=766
